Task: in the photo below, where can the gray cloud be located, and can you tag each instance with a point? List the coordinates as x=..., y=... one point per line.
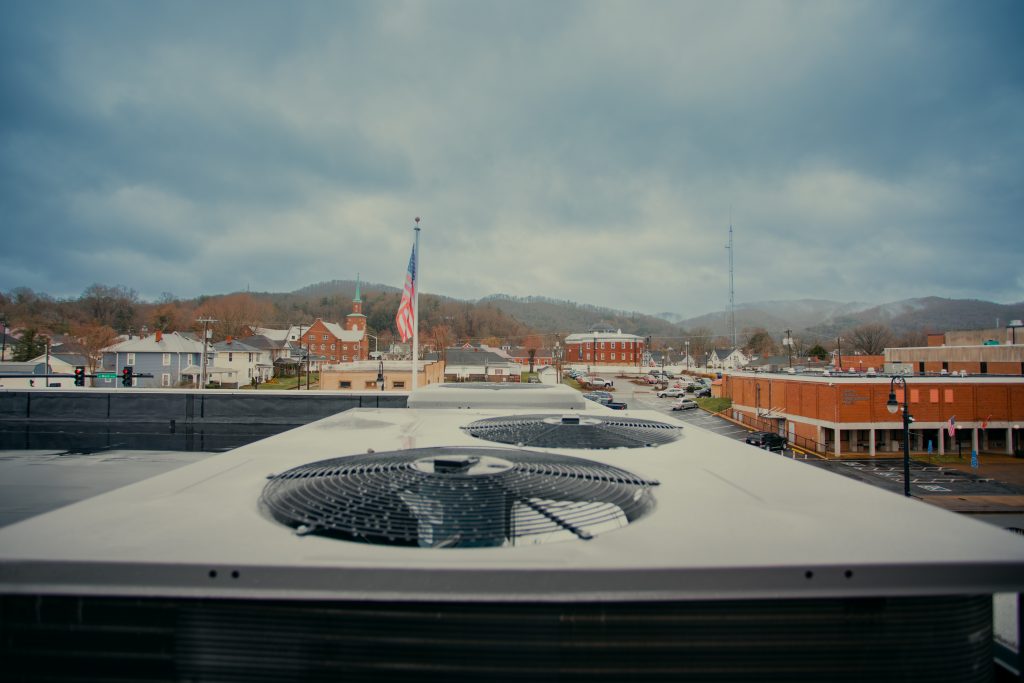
x=868, y=151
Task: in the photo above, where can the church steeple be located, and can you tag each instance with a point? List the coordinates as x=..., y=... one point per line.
x=356, y=320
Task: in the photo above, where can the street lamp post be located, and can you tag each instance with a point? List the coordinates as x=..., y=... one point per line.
x=380, y=374
x=594, y=353
x=687, y=344
x=892, y=405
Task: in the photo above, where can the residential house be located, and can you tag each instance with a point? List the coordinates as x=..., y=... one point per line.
x=29, y=374
x=244, y=362
x=521, y=355
x=727, y=359
x=475, y=365
x=171, y=358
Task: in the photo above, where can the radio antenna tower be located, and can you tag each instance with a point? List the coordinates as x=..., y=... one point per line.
x=732, y=288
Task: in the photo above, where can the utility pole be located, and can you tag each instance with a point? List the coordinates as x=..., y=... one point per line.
x=206, y=338
x=788, y=341
x=3, y=353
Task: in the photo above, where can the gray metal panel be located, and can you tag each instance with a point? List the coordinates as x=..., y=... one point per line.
x=268, y=409
x=143, y=406
x=46, y=405
x=13, y=405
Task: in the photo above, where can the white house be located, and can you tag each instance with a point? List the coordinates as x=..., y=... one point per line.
x=727, y=359
x=242, y=361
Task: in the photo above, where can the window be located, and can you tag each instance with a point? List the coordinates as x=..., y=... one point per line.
x=984, y=368
x=948, y=396
x=312, y=337
x=231, y=356
x=167, y=360
x=165, y=379
x=945, y=366
x=371, y=384
x=333, y=358
x=915, y=396
x=613, y=356
x=250, y=357
x=400, y=384
x=333, y=346
x=344, y=358
x=325, y=337
x=131, y=360
x=933, y=395
x=344, y=384
x=920, y=367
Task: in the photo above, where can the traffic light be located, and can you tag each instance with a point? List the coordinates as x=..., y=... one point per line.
x=127, y=373
x=79, y=376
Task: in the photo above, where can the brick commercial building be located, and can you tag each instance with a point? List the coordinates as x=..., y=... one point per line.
x=847, y=414
x=604, y=348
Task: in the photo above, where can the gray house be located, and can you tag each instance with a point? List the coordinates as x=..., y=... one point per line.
x=165, y=356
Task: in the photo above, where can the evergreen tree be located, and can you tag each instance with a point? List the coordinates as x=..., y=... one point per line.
x=30, y=345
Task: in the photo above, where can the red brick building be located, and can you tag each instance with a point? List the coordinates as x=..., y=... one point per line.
x=844, y=414
x=604, y=348
x=337, y=344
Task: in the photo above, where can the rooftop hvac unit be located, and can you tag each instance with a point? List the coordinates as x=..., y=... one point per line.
x=390, y=544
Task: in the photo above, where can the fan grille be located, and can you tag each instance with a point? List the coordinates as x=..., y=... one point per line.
x=456, y=497
x=574, y=431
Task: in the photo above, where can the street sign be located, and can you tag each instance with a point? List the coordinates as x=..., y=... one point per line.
x=106, y=375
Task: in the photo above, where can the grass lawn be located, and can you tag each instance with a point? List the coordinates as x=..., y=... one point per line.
x=715, y=405
x=291, y=382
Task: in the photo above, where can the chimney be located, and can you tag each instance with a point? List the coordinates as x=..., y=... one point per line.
x=230, y=339
x=159, y=336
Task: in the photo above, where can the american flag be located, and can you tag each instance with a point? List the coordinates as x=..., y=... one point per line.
x=951, y=426
x=404, y=319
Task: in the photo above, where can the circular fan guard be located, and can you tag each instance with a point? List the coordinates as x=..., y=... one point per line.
x=456, y=497
x=573, y=431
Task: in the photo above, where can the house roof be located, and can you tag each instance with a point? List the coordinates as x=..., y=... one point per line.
x=171, y=342
x=235, y=346
x=29, y=368
x=265, y=343
x=459, y=356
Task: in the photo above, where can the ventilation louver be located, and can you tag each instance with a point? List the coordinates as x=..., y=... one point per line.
x=573, y=431
x=456, y=497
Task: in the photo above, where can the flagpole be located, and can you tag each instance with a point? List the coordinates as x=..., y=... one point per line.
x=416, y=310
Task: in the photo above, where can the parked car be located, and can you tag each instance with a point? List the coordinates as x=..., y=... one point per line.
x=601, y=382
x=615, y=405
x=769, y=441
x=650, y=379
x=674, y=392
x=597, y=398
x=702, y=393
x=684, y=404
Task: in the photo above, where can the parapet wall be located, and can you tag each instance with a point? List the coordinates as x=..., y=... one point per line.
x=184, y=407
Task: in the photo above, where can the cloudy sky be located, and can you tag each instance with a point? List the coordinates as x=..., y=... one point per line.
x=592, y=151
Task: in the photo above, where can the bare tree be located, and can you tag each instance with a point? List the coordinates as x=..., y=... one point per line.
x=871, y=338
x=235, y=313
x=92, y=339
